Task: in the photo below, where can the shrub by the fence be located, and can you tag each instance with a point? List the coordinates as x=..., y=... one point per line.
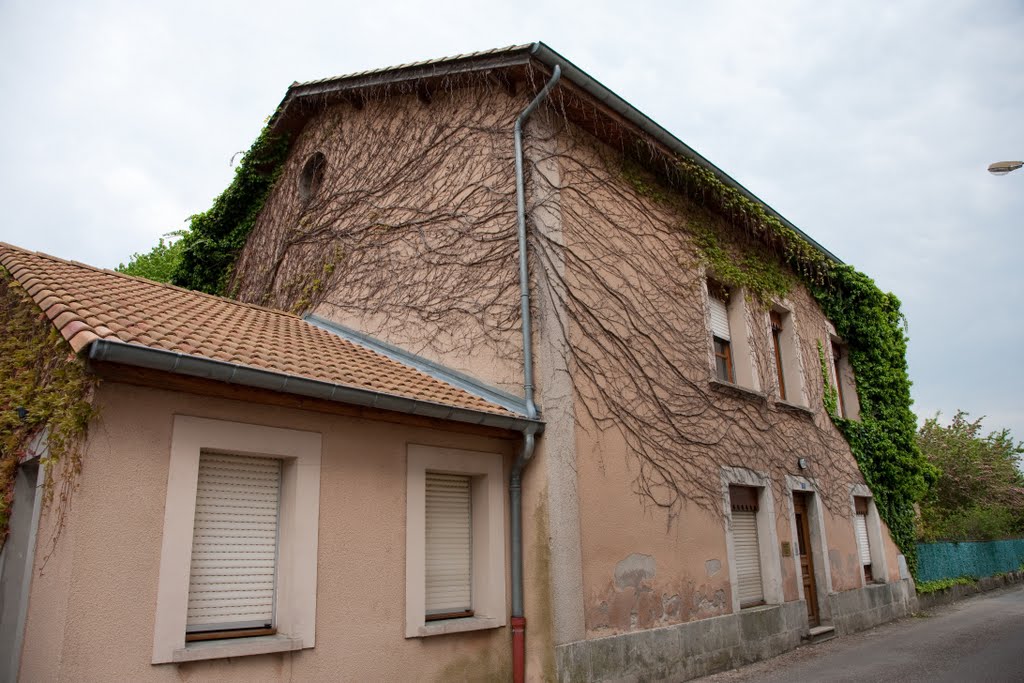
x=968, y=558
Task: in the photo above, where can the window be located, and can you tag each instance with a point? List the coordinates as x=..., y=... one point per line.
x=776, y=322
x=751, y=538
x=867, y=527
x=312, y=177
x=837, y=357
x=233, y=576
x=785, y=352
x=234, y=490
x=455, y=541
x=731, y=357
x=846, y=393
x=863, y=543
x=717, y=298
x=449, y=546
x=749, y=583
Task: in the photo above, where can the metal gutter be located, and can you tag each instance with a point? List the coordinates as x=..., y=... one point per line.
x=465, y=382
x=591, y=86
x=115, y=351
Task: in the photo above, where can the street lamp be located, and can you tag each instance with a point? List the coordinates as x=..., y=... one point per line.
x=1004, y=167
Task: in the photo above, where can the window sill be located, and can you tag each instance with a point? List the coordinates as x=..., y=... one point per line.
x=736, y=389
x=235, y=647
x=438, y=628
x=793, y=407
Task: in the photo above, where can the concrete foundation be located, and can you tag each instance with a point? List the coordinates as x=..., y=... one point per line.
x=698, y=648
x=685, y=651
x=872, y=605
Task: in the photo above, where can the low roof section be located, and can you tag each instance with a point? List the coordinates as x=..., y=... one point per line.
x=109, y=316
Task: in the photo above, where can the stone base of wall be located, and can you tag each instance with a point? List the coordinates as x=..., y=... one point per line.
x=684, y=651
x=872, y=605
x=698, y=648
x=954, y=593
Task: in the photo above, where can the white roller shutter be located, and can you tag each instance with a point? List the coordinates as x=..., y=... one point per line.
x=748, y=557
x=448, y=544
x=862, y=539
x=234, y=543
x=719, y=318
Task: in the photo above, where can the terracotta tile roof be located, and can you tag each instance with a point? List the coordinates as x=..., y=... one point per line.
x=87, y=303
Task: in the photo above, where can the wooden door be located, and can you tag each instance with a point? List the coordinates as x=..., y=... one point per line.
x=803, y=537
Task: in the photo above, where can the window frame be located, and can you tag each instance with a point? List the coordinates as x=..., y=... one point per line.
x=487, y=519
x=879, y=564
x=780, y=324
x=295, y=601
x=775, y=321
x=738, y=349
x=847, y=401
x=767, y=534
x=726, y=356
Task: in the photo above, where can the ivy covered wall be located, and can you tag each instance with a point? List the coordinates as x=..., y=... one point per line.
x=43, y=384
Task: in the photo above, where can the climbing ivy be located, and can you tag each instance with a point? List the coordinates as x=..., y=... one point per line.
x=214, y=238
x=43, y=384
x=868, y=320
x=883, y=438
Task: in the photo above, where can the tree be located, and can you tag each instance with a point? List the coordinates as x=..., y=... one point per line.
x=160, y=262
x=979, y=494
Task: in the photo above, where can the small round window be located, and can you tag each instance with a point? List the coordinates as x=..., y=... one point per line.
x=312, y=176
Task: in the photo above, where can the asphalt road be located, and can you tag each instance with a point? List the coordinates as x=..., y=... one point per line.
x=978, y=639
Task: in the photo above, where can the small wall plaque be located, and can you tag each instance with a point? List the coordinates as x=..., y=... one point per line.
x=787, y=550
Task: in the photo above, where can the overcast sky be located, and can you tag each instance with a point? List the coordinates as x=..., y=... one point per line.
x=867, y=124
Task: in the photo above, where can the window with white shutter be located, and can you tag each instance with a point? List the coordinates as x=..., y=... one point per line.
x=863, y=544
x=720, y=337
x=749, y=583
x=455, y=541
x=233, y=574
x=449, y=546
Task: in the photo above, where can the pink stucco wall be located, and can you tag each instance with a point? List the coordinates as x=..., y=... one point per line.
x=92, y=605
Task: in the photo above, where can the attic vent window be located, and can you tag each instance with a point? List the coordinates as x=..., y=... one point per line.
x=312, y=176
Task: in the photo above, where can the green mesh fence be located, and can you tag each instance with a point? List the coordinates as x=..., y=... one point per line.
x=969, y=558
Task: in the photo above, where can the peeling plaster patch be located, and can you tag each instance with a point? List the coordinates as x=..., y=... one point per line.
x=712, y=567
x=709, y=605
x=634, y=571
x=670, y=606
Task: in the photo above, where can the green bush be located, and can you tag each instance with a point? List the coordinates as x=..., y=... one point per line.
x=925, y=587
x=160, y=262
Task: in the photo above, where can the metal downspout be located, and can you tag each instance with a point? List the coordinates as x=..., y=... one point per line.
x=515, y=488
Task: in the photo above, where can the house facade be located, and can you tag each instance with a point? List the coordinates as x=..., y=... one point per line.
x=689, y=476
x=689, y=504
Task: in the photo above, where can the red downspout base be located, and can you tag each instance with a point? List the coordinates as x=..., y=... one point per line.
x=518, y=649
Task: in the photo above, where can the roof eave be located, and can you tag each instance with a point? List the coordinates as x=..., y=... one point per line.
x=515, y=56
x=116, y=351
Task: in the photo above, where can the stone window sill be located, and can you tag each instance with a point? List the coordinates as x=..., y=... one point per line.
x=793, y=407
x=438, y=628
x=236, y=647
x=736, y=389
